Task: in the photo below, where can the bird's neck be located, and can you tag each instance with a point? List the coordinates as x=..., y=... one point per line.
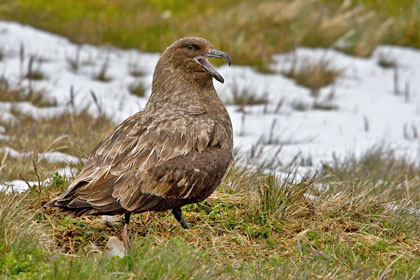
x=173, y=89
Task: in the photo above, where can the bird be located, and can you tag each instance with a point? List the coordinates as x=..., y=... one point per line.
x=174, y=152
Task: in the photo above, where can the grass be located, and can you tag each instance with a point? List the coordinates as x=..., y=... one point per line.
x=313, y=75
x=325, y=106
x=37, y=98
x=265, y=228
x=278, y=199
x=137, y=88
x=65, y=133
x=251, y=31
x=102, y=74
x=387, y=62
x=353, y=219
x=34, y=74
x=74, y=61
x=254, y=226
x=245, y=96
x=136, y=70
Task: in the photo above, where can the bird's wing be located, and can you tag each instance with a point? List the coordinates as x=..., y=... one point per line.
x=190, y=177
x=148, y=159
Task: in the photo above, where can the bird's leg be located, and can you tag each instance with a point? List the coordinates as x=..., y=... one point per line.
x=124, y=235
x=127, y=218
x=178, y=216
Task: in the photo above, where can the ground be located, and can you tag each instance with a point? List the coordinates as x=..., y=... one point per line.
x=326, y=174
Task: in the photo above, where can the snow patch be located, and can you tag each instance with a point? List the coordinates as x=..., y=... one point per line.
x=371, y=106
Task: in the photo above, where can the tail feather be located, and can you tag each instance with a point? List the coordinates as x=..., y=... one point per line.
x=75, y=202
x=79, y=208
x=68, y=201
x=78, y=203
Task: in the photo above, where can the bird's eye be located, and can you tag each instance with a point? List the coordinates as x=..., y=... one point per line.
x=191, y=47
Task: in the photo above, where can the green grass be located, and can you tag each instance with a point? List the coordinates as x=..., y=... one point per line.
x=266, y=229
x=251, y=31
x=254, y=226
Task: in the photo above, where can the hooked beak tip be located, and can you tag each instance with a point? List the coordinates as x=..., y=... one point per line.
x=208, y=67
x=219, y=54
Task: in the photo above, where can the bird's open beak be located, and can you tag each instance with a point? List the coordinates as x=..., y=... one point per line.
x=203, y=60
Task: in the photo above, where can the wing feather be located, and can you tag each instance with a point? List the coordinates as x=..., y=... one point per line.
x=152, y=162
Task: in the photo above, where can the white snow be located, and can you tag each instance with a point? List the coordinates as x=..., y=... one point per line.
x=21, y=185
x=368, y=111
x=48, y=156
x=17, y=185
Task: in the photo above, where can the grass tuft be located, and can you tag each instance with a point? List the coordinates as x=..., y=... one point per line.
x=255, y=225
x=324, y=106
x=313, y=76
x=16, y=220
x=387, y=62
x=299, y=105
x=66, y=133
x=245, y=96
x=102, y=75
x=22, y=240
x=138, y=89
x=136, y=71
x=34, y=74
x=284, y=198
x=74, y=62
x=36, y=97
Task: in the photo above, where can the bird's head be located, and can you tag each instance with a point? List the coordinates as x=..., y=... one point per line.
x=190, y=55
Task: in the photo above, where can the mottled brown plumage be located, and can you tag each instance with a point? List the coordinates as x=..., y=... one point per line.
x=174, y=152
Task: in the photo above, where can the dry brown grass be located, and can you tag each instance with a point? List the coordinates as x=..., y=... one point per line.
x=268, y=220
x=24, y=168
x=251, y=31
x=17, y=220
x=294, y=23
x=313, y=75
x=273, y=228
x=69, y=133
x=38, y=98
x=72, y=134
x=245, y=96
x=253, y=225
x=385, y=61
x=102, y=74
x=137, y=88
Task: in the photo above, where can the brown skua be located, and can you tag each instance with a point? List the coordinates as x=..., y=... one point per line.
x=174, y=152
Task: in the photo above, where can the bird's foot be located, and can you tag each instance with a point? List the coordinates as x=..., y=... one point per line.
x=125, y=239
x=184, y=224
x=178, y=216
